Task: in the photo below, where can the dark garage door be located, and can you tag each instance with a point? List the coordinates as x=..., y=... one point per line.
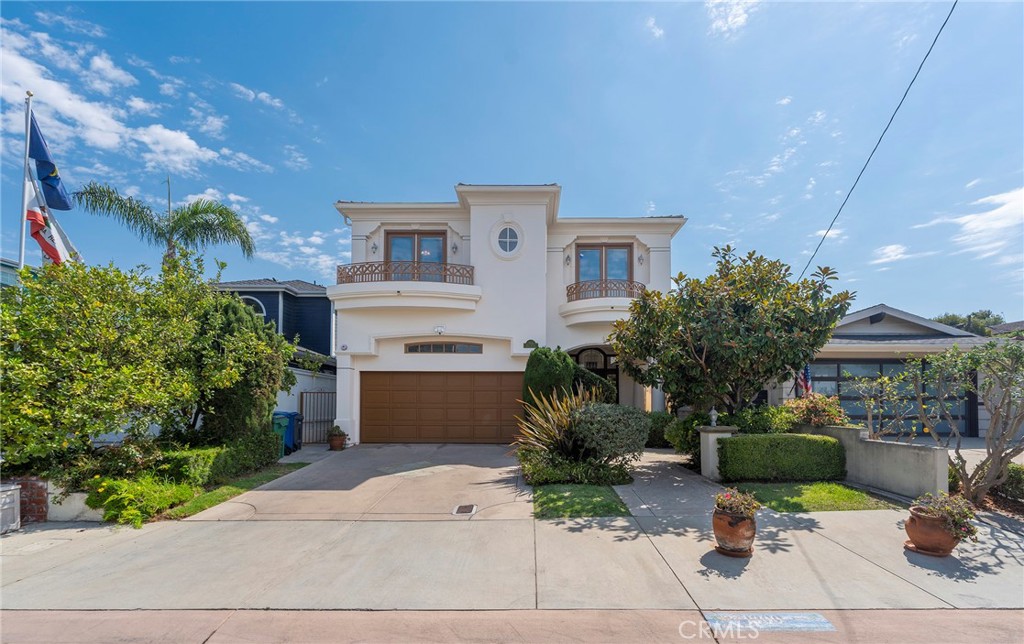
x=439, y=407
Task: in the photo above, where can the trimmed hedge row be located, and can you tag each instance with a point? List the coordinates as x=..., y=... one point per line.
x=781, y=457
x=1013, y=487
x=205, y=466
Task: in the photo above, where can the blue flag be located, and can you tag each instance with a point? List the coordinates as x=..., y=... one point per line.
x=46, y=170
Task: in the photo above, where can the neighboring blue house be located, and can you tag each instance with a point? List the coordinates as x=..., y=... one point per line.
x=296, y=307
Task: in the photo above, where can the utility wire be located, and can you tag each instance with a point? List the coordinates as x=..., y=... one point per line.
x=879, y=142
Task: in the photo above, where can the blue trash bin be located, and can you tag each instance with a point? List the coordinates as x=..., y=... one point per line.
x=290, y=444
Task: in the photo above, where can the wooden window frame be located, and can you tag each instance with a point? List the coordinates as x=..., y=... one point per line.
x=604, y=258
x=416, y=234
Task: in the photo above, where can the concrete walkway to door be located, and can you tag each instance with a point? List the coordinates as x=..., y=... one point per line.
x=390, y=483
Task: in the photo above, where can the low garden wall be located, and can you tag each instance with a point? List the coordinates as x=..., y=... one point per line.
x=906, y=469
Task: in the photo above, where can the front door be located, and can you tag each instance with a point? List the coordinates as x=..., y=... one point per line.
x=600, y=363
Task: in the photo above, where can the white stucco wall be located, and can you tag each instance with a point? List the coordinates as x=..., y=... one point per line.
x=513, y=299
x=306, y=381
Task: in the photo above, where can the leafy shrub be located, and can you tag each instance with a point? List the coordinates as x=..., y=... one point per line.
x=572, y=439
x=190, y=466
x=543, y=468
x=584, y=378
x=610, y=433
x=1012, y=487
x=548, y=372
x=134, y=501
x=765, y=419
x=683, y=435
x=659, y=421
x=953, y=480
x=781, y=457
x=818, y=410
x=250, y=452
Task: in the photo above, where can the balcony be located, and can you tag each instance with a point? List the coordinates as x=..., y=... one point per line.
x=599, y=301
x=376, y=285
x=405, y=272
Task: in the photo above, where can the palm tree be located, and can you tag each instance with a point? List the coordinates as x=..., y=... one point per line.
x=194, y=225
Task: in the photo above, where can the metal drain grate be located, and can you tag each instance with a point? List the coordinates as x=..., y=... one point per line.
x=464, y=509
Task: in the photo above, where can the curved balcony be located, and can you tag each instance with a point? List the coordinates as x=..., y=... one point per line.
x=599, y=301
x=375, y=285
x=603, y=288
x=404, y=272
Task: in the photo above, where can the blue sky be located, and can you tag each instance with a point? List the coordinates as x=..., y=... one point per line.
x=752, y=119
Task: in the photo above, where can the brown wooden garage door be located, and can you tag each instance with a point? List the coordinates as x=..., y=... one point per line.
x=439, y=407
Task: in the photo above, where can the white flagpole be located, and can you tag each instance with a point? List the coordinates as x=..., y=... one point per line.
x=28, y=175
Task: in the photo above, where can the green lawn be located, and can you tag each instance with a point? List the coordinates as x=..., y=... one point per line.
x=814, y=497
x=224, y=492
x=571, y=501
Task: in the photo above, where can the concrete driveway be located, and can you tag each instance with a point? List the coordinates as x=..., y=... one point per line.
x=390, y=483
x=372, y=529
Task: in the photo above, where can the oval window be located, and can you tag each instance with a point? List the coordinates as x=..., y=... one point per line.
x=508, y=239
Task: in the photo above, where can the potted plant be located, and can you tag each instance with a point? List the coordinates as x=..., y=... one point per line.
x=734, y=524
x=938, y=523
x=336, y=439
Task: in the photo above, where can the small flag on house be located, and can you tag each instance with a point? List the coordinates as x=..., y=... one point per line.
x=46, y=170
x=803, y=381
x=43, y=231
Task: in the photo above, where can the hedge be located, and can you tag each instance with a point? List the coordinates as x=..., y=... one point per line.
x=209, y=465
x=1013, y=486
x=548, y=371
x=659, y=422
x=781, y=457
x=584, y=378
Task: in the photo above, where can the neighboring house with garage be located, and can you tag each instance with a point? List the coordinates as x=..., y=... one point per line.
x=438, y=312
x=299, y=309
x=876, y=341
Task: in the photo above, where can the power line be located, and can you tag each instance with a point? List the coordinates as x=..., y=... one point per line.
x=879, y=142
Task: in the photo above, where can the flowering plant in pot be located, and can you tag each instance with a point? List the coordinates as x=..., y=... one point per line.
x=734, y=523
x=937, y=524
x=336, y=438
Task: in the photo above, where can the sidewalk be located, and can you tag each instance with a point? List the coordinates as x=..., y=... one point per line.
x=223, y=627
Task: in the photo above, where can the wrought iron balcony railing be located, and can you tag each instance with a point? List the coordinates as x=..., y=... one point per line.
x=603, y=288
x=405, y=272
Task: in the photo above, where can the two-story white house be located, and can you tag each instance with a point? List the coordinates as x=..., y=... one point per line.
x=443, y=302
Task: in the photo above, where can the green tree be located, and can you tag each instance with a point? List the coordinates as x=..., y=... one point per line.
x=977, y=322
x=85, y=351
x=995, y=372
x=193, y=226
x=718, y=341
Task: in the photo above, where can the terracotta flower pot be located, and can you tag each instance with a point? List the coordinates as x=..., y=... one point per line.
x=336, y=443
x=734, y=533
x=928, y=534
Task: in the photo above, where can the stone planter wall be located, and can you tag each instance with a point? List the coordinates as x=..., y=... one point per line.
x=72, y=508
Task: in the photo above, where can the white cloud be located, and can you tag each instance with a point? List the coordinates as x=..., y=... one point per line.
x=651, y=208
x=652, y=26
x=896, y=253
x=269, y=219
x=972, y=183
x=295, y=159
x=785, y=100
x=817, y=118
x=836, y=234
x=315, y=239
x=728, y=17
x=169, y=89
x=211, y=194
x=104, y=75
x=142, y=106
x=172, y=150
x=75, y=25
x=255, y=95
x=207, y=121
x=321, y=82
x=997, y=231
x=178, y=60
x=233, y=198
x=241, y=161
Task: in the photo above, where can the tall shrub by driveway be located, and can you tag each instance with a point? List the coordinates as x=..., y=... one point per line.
x=549, y=372
x=718, y=341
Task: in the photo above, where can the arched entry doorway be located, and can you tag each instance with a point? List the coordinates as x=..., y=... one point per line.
x=601, y=362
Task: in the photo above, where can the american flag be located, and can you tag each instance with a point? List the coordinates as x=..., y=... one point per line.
x=803, y=382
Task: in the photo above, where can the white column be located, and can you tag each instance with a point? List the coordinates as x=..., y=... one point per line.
x=709, y=437
x=348, y=399
x=657, y=399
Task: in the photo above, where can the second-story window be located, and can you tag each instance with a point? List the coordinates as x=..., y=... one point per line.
x=604, y=262
x=422, y=248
